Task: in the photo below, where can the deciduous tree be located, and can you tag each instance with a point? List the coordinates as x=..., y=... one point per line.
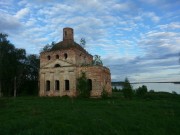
x=11, y=61
x=127, y=89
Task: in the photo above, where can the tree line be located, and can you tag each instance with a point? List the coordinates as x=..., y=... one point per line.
x=18, y=71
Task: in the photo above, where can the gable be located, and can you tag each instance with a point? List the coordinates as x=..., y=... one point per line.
x=57, y=63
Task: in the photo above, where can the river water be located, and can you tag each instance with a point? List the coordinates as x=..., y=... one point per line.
x=167, y=87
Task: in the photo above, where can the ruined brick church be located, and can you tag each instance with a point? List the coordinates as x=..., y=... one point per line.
x=64, y=63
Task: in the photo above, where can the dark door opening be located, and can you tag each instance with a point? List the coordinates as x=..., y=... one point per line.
x=89, y=84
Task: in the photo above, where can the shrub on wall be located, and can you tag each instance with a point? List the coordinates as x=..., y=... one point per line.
x=82, y=86
x=104, y=93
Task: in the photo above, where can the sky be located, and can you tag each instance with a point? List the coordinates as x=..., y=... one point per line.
x=138, y=39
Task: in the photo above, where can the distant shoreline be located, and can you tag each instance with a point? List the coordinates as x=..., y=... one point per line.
x=121, y=83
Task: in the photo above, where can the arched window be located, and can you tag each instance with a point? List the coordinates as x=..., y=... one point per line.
x=89, y=84
x=48, y=85
x=57, y=85
x=66, y=84
x=48, y=57
x=57, y=56
x=65, y=55
x=57, y=65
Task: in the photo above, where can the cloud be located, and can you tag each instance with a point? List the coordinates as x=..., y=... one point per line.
x=159, y=62
x=121, y=6
x=142, y=68
x=8, y=23
x=156, y=43
x=21, y=13
x=151, y=1
x=162, y=4
x=171, y=26
x=150, y=15
x=136, y=39
x=153, y=17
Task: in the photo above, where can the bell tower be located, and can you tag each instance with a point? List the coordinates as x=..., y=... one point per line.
x=68, y=35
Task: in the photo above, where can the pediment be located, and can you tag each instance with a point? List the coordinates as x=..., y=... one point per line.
x=58, y=62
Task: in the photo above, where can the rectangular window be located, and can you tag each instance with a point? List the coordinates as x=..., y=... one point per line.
x=57, y=85
x=66, y=84
x=47, y=85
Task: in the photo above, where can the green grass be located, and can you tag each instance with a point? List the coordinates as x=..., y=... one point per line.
x=65, y=116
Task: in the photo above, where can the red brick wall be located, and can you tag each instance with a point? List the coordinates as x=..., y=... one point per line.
x=100, y=76
x=74, y=56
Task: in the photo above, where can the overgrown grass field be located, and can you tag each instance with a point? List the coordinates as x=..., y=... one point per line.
x=66, y=116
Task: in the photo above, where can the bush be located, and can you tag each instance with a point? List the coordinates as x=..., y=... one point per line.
x=162, y=95
x=115, y=89
x=151, y=91
x=173, y=92
x=104, y=93
x=141, y=91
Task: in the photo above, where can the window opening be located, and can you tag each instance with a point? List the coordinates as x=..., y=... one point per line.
x=47, y=85
x=57, y=85
x=65, y=55
x=48, y=57
x=57, y=56
x=65, y=33
x=57, y=65
x=66, y=84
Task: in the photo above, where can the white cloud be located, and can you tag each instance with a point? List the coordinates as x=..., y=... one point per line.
x=125, y=29
x=31, y=22
x=21, y=13
x=151, y=1
x=158, y=35
x=172, y=26
x=152, y=16
x=8, y=23
x=84, y=5
x=121, y=6
x=160, y=44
